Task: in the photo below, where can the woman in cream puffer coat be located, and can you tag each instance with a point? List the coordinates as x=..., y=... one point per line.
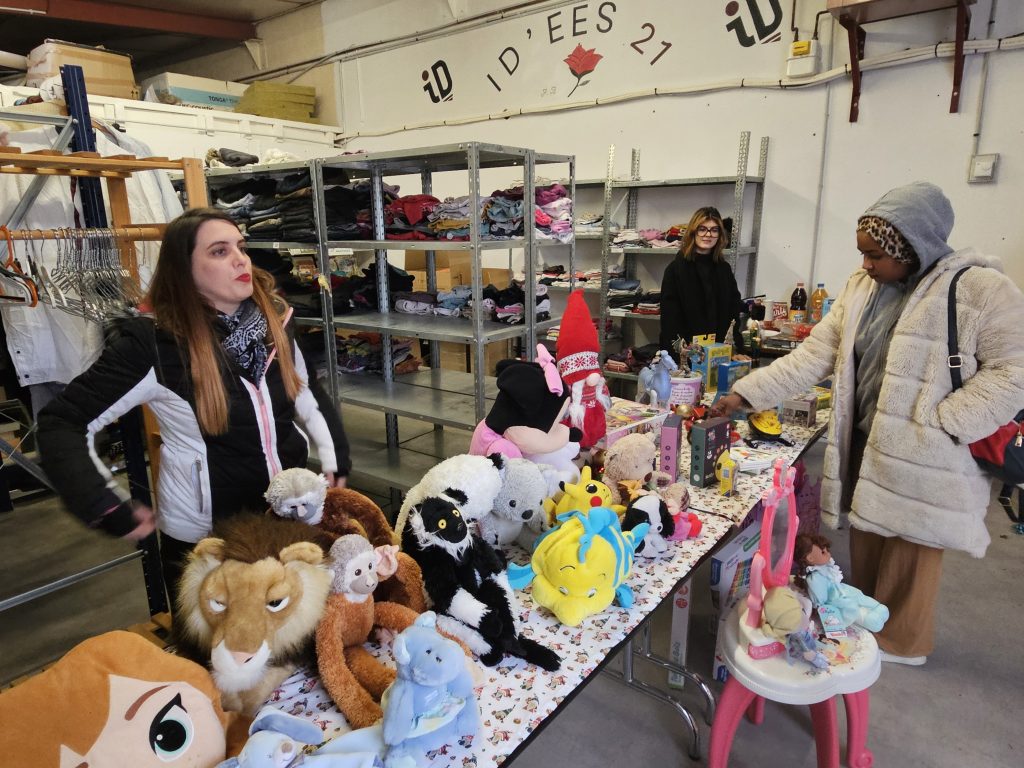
x=884, y=343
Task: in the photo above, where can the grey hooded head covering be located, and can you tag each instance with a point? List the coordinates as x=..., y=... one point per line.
x=923, y=215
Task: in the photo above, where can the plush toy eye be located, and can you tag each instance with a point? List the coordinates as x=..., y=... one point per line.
x=216, y=606
x=512, y=503
x=170, y=733
x=591, y=488
x=278, y=605
x=592, y=592
x=564, y=590
x=442, y=524
x=359, y=571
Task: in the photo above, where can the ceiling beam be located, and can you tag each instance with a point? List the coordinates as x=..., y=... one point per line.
x=133, y=17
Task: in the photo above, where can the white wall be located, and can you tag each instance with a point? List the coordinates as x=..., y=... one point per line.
x=904, y=133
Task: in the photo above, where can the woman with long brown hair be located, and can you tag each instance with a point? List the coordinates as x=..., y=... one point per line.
x=213, y=360
x=698, y=291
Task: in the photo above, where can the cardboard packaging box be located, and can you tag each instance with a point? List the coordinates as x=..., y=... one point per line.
x=452, y=268
x=280, y=100
x=680, y=632
x=730, y=582
x=459, y=357
x=731, y=372
x=824, y=395
x=802, y=411
x=708, y=439
x=106, y=73
x=189, y=91
x=669, y=445
x=626, y=416
x=714, y=355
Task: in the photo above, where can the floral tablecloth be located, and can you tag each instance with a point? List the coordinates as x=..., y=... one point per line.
x=749, y=488
x=515, y=698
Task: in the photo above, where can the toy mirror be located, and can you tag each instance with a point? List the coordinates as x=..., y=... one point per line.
x=773, y=562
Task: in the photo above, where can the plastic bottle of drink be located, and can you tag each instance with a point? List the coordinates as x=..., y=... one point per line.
x=818, y=303
x=798, y=305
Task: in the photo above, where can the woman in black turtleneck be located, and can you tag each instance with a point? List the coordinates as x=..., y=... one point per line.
x=698, y=292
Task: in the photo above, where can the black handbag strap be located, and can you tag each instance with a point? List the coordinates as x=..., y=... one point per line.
x=955, y=360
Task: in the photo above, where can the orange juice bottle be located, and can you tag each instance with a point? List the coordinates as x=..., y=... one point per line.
x=818, y=302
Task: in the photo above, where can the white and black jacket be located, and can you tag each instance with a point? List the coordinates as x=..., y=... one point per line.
x=202, y=477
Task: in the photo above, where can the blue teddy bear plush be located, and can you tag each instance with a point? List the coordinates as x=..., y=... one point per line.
x=430, y=704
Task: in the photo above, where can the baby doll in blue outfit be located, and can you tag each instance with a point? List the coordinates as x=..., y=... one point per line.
x=839, y=605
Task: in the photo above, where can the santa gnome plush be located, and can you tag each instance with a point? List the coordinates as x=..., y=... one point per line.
x=580, y=368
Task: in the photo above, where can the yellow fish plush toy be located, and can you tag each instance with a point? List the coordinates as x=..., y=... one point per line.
x=579, y=568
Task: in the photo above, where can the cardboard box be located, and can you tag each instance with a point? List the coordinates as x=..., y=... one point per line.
x=460, y=357
x=708, y=439
x=452, y=268
x=730, y=582
x=189, y=91
x=824, y=395
x=670, y=443
x=731, y=372
x=106, y=73
x=626, y=416
x=714, y=354
x=680, y=633
x=802, y=410
x=281, y=100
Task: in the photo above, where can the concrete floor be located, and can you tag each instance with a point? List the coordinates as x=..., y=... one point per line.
x=961, y=708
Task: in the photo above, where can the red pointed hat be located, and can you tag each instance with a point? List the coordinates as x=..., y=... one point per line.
x=578, y=345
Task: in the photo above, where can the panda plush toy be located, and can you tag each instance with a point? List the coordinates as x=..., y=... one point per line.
x=468, y=587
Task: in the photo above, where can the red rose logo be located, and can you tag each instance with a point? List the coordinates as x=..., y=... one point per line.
x=581, y=63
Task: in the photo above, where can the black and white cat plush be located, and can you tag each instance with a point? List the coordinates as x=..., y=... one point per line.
x=466, y=582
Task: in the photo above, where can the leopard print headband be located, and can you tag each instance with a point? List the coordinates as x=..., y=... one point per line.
x=889, y=239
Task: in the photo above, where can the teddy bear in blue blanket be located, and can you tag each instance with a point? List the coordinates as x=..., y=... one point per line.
x=429, y=705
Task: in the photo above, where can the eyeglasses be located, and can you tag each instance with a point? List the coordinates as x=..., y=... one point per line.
x=708, y=230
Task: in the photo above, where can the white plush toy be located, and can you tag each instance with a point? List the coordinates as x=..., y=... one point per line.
x=518, y=513
x=470, y=482
x=558, y=466
x=298, y=494
x=650, y=509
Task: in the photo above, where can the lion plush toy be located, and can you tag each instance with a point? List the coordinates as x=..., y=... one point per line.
x=249, y=601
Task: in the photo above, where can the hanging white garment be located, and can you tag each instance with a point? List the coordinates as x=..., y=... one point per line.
x=47, y=344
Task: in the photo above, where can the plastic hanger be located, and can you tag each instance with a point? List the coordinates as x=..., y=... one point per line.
x=15, y=276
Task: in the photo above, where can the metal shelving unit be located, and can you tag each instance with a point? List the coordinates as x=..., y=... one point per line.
x=443, y=398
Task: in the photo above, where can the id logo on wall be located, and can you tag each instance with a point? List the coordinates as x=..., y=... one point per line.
x=764, y=26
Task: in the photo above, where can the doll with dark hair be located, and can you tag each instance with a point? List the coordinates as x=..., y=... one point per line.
x=839, y=605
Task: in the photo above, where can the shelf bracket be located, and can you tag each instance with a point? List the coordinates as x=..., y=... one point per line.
x=853, y=16
x=963, y=26
x=855, y=37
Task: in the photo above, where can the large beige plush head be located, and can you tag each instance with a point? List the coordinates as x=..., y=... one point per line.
x=252, y=598
x=630, y=458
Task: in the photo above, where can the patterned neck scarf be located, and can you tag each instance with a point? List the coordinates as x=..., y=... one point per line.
x=245, y=342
